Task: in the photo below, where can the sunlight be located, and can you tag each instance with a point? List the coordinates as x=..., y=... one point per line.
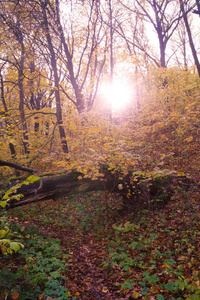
x=118, y=94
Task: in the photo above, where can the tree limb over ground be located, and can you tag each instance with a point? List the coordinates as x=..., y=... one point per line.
x=137, y=189
x=16, y=166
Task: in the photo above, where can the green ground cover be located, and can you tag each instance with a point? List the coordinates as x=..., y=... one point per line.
x=86, y=247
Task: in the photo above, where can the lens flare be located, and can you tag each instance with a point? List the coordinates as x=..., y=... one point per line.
x=118, y=94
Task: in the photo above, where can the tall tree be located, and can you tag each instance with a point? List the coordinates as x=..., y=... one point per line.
x=164, y=17
x=11, y=18
x=187, y=26
x=179, y=46
x=7, y=123
x=26, y=72
x=56, y=77
x=81, y=54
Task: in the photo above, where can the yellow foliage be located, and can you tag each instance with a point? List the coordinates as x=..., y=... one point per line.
x=163, y=133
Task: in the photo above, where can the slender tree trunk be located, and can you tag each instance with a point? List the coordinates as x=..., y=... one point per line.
x=21, y=95
x=15, y=27
x=111, y=42
x=194, y=53
x=11, y=146
x=162, y=53
x=137, y=88
x=33, y=102
x=185, y=55
x=77, y=91
x=111, y=51
x=56, y=82
x=79, y=97
x=162, y=44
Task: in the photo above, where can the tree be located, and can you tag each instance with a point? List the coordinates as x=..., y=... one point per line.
x=179, y=46
x=164, y=16
x=134, y=188
x=56, y=78
x=192, y=46
x=82, y=60
x=11, y=18
x=7, y=123
x=76, y=67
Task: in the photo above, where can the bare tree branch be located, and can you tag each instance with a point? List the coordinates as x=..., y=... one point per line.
x=16, y=166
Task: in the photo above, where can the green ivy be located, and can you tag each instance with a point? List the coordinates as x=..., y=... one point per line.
x=8, y=238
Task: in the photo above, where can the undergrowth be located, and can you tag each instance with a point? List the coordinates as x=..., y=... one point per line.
x=145, y=255
x=36, y=272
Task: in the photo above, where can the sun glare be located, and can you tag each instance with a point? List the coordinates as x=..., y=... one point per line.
x=118, y=94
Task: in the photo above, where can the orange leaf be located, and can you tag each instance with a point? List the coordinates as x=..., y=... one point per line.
x=135, y=295
x=104, y=289
x=15, y=295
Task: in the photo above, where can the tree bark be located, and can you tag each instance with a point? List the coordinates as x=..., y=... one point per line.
x=111, y=52
x=137, y=190
x=11, y=146
x=194, y=53
x=21, y=93
x=16, y=166
x=79, y=97
x=56, y=81
x=79, y=77
x=15, y=27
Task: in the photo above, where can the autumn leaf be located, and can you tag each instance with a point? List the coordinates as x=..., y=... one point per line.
x=135, y=295
x=104, y=289
x=15, y=295
x=68, y=293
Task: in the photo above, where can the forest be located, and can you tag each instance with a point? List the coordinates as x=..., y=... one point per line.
x=100, y=149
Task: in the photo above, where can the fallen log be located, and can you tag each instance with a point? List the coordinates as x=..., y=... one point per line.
x=137, y=189
x=50, y=187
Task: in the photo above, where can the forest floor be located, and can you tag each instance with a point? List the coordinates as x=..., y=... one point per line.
x=87, y=247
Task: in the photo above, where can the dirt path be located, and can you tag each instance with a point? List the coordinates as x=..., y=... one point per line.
x=86, y=277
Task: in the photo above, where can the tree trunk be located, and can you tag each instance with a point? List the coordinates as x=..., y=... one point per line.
x=15, y=27
x=136, y=190
x=162, y=53
x=194, y=53
x=21, y=94
x=79, y=97
x=56, y=82
x=162, y=43
x=11, y=146
x=111, y=53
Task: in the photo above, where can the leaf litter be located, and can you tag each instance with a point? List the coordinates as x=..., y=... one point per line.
x=110, y=254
